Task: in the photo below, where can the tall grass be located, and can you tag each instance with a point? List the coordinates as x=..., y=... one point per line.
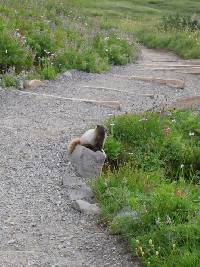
x=71, y=34
x=49, y=37
x=152, y=197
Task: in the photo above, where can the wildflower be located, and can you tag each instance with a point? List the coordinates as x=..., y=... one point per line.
x=107, y=37
x=143, y=119
x=174, y=245
x=6, y=51
x=169, y=221
x=174, y=120
x=150, y=242
x=130, y=153
x=112, y=124
x=182, y=166
x=158, y=221
x=157, y=253
x=191, y=134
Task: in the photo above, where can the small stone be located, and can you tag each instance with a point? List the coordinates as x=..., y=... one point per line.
x=84, y=192
x=87, y=162
x=67, y=74
x=12, y=241
x=85, y=207
x=32, y=84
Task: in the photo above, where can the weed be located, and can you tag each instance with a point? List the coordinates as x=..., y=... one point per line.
x=9, y=79
x=157, y=184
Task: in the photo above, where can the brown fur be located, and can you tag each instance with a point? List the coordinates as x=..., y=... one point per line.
x=72, y=145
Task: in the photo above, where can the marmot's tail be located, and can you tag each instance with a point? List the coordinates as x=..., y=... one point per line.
x=72, y=145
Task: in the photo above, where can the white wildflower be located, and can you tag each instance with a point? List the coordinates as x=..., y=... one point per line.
x=158, y=221
x=143, y=119
x=169, y=221
x=182, y=166
x=150, y=242
x=157, y=253
x=191, y=134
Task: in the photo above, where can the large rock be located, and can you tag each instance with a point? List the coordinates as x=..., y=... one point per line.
x=84, y=192
x=88, y=164
x=70, y=181
x=85, y=207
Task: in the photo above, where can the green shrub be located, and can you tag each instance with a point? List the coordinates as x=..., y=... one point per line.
x=170, y=142
x=13, y=53
x=9, y=80
x=112, y=148
x=41, y=43
x=156, y=188
x=167, y=224
x=47, y=71
x=179, y=22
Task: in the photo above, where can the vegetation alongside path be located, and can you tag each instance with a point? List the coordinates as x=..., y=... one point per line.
x=152, y=198
x=43, y=38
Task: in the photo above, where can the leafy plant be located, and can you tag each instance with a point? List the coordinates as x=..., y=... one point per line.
x=153, y=198
x=113, y=148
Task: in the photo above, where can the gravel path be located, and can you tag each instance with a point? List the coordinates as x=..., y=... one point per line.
x=38, y=225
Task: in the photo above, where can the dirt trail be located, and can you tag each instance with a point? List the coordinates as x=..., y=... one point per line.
x=38, y=225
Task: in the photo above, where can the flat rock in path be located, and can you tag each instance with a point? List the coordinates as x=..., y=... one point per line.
x=32, y=84
x=87, y=163
x=85, y=207
x=84, y=192
x=185, y=103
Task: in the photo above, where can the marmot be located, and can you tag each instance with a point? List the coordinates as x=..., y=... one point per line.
x=93, y=139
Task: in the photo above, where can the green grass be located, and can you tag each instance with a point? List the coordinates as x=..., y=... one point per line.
x=157, y=176
x=44, y=38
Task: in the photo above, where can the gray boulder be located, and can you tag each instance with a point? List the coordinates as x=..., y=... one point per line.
x=87, y=163
x=84, y=192
x=85, y=207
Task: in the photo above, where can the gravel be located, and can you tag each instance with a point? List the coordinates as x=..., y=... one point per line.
x=38, y=225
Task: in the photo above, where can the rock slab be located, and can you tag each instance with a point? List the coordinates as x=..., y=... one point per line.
x=84, y=192
x=85, y=207
x=87, y=163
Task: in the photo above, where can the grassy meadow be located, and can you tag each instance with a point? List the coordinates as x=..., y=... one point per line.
x=149, y=192
x=44, y=38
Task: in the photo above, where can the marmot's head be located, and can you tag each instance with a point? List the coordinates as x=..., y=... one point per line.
x=101, y=133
